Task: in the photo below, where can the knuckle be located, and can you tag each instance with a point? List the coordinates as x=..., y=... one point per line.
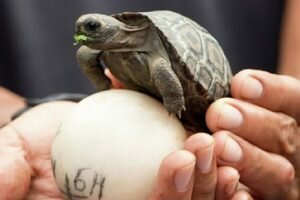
x=288, y=175
x=287, y=135
x=258, y=158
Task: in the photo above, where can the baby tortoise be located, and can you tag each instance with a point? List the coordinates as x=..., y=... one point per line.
x=161, y=53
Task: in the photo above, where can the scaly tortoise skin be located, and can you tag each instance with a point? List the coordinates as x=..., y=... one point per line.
x=161, y=53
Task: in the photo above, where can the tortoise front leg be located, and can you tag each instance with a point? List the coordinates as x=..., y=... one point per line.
x=88, y=60
x=168, y=86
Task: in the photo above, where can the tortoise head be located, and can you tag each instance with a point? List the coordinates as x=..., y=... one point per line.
x=104, y=32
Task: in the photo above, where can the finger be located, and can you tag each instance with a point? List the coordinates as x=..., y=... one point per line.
x=175, y=177
x=242, y=195
x=274, y=132
x=202, y=145
x=275, y=92
x=228, y=179
x=114, y=81
x=269, y=175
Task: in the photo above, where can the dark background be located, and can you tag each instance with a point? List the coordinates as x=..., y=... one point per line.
x=37, y=56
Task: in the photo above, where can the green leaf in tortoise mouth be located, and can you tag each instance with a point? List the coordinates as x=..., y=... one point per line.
x=79, y=39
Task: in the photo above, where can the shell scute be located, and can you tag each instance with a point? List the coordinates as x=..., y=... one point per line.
x=197, y=49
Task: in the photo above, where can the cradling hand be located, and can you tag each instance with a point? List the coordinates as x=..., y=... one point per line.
x=257, y=132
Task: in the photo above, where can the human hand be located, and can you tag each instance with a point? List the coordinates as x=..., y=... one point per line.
x=192, y=174
x=258, y=133
x=25, y=167
x=27, y=173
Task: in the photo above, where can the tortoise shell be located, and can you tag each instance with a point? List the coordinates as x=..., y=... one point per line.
x=196, y=57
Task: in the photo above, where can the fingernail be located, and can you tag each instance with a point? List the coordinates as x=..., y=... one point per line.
x=183, y=177
x=205, y=154
x=251, y=89
x=231, y=187
x=230, y=117
x=232, y=151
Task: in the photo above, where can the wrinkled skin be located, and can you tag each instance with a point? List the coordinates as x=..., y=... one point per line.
x=25, y=153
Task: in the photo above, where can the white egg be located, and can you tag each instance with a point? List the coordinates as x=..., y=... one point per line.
x=111, y=146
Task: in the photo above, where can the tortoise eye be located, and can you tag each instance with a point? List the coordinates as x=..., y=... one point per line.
x=92, y=25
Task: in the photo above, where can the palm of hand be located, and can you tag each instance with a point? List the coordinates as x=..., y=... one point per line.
x=26, y=171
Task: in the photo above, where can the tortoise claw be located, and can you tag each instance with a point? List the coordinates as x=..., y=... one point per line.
x=175, y=106
x=179, y=112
